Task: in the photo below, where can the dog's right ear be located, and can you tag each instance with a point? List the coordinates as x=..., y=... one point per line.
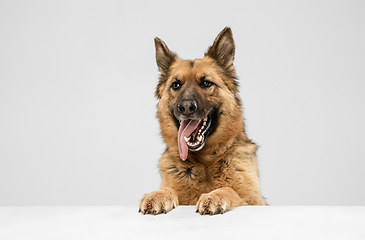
x=164, y=59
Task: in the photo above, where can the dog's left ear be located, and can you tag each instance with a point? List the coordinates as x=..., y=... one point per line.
x=223, y=48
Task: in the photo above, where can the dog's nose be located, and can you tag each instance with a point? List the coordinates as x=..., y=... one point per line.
x=187, y=106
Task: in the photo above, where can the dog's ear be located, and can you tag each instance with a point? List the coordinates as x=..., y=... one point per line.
x=164, y=59
x=223, y=49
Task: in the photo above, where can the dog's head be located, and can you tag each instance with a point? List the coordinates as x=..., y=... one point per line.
x=199, y=104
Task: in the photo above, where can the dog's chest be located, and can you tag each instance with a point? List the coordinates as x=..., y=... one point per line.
x=205, y=178
x=192, y=180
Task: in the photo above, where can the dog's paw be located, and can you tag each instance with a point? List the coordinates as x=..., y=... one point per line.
x=218, y=201
x=157, y=202
x=211, y=204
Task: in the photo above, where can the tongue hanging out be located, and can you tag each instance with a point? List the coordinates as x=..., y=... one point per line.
x=187, y=127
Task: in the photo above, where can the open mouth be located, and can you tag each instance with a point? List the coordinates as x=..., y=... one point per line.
x=192, y=134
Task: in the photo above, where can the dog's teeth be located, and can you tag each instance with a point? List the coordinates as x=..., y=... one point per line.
x=187, y=139
x=205, y=119
x=199, y=138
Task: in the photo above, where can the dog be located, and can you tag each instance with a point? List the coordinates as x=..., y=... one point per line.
x=209, y=161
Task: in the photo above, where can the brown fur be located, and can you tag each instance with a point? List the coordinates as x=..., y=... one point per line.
x=224, y=173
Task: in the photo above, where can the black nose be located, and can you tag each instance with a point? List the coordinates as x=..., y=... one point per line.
x=187, y=106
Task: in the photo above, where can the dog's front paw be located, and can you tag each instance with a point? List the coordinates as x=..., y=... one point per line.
x=161, y=201
x=218, y=201
x=211, y=204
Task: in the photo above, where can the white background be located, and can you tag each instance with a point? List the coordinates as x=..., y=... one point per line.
x=77, y=106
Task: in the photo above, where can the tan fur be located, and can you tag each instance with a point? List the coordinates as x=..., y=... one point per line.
x=224, y=173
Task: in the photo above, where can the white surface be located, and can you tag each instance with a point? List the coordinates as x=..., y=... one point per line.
x=279, y=222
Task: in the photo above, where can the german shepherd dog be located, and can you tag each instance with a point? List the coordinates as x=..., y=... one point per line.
x=209, y=161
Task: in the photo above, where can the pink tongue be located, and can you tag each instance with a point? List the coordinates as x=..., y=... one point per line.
x=187, y=126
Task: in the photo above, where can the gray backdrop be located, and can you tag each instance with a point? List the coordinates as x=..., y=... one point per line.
x=77, y=106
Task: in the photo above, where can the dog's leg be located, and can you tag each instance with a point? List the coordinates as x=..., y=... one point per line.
x=160, y=201
x=218, y=201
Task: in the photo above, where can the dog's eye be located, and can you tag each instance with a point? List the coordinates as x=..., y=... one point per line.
x=176, y=86
x=206, y=84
